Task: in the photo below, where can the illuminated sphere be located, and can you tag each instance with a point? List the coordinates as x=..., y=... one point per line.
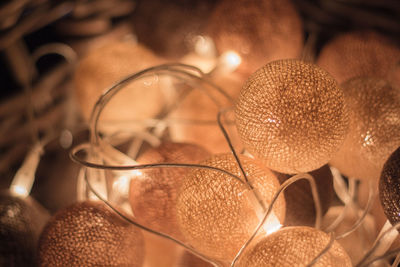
x=214, y=212
x=291, y=115
x=294, y=246
x=374, y=115
x=196, y=116
x=105, y=66
x=259, y=30
x=21, y=222
x=359, y=54
x=153, y=195
x=389, y=188
x=300, y=207
x=89, y=234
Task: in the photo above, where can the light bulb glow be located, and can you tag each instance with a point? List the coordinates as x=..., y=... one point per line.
x=230, y=60
x=19, y=190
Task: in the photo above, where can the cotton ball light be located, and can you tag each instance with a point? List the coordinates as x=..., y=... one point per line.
x=300, y=205
x=89, y=234
x=389, y=187
x=21, y=222
x=291, y=115
x=294, y=246
x=153, y=194
x=105, y=66
x=374, y=112
x=355, y=54
x=217, y=214
x=259, y=31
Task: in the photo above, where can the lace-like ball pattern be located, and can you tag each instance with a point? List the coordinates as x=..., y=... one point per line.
x=153, y=194
x=292, y=115
x=213, y=209
x=88, y=234
x=374, y=112
x=294, y=246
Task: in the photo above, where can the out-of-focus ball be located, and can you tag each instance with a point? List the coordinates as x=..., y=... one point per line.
x=294, y=246
x=169, y=28
x=359, y=54
x=300, y=206
x=89, y=234
x=291, y=115
x=21, y=221
x=195, y=118
x=374, y=112
x=189, y=260
x=105, y=66
x=389, y=187
x=214, y=212
x=153, y=194
x=259, y=31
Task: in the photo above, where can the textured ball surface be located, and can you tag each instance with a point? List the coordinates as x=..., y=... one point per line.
x=359, y=54
x=153, y=195
x=105, y=66
x=294, y=246
x=300, y=207
x=21, y=221
x=292, y=115
x=213, y=210
x=374, y=115
x=389, y=188
x=89, y=234
x=260, y=31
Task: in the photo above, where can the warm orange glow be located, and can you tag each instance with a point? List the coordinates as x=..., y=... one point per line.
x=294, y=246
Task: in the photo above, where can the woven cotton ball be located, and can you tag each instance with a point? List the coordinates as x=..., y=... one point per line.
x=258, y=30
x=153, y=194
x=21, y=222
x=389, y=187
x=215, y=214
x=359, y=54
x=374, y=112
x=89, y=234
x=291, y=115
x=294, y=246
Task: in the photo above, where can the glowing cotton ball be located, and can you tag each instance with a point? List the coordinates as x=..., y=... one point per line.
x=214, y=210
x=294, y=246
x=89, y=234
x=291, y=115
